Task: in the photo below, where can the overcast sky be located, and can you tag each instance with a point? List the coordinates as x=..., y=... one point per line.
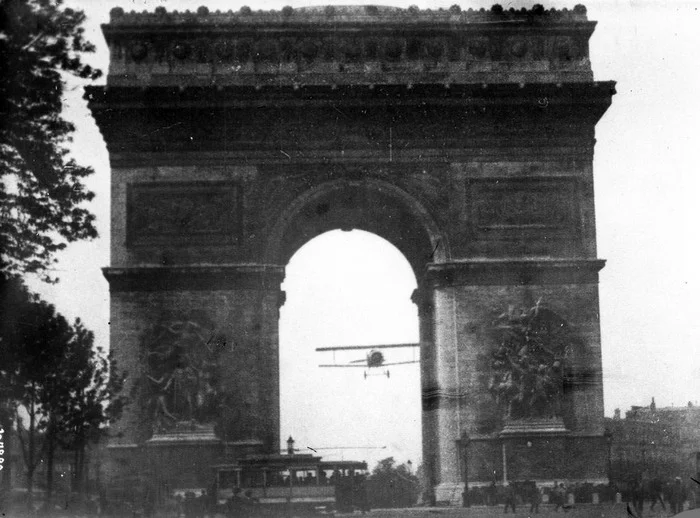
x=648, y=212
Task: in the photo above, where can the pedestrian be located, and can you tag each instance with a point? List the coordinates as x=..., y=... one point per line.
x=179, y=505
x=491, y=494
x=535, y=496
x=656, y=493
x=201, y=504
x=637, y=495
x=559, y=496
x=677, y=496
x=510, y=498
x=190, y=504
x=234, y=506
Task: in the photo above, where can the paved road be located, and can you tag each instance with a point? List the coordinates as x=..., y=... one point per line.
x=546, y=511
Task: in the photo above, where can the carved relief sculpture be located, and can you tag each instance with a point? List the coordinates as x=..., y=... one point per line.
x=181, y=379
x=529, y=362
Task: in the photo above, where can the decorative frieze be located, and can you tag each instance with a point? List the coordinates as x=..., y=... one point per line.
x=344, y=44
x=339, y=49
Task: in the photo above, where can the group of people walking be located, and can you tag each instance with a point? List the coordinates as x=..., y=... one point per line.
x=656, y=490
x=668, y=495
x=532, y=495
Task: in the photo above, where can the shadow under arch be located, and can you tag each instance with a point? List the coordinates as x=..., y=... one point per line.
x=371, y=205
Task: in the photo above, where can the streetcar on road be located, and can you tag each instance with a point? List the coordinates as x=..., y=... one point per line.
x=279, y=485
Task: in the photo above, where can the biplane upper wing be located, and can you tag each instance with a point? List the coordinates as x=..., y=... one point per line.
x=344, y=365
x=356, y=347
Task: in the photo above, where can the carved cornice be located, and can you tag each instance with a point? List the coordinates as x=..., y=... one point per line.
x=534, y=427
x=476, y=97
x=196, y=278
x=249, y=121
x=349, y=45
x=514, y=272
x=345, y=14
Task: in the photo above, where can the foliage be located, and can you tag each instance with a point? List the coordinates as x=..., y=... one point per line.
x=391, y=486
x=41, y=188
x=529, y=364
x=33, y=338
x=56, y=388
x=84, y=395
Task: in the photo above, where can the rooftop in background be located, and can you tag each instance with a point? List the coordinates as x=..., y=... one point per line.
x=656, y=413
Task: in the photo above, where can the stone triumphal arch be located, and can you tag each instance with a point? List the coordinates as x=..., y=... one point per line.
x=464, y=138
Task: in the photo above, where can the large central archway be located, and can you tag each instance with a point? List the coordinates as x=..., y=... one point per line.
x=350, y=288
x=376, y=206
x=369, y=204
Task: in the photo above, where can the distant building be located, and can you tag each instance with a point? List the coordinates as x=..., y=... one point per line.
x=659, y=441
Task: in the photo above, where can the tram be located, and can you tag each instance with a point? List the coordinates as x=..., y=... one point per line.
x=279, y=484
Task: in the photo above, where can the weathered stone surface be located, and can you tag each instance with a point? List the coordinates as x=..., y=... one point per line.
x=348, y=46
x=463, y=138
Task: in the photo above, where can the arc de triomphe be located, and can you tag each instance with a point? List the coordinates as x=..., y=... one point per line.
x=465, y=138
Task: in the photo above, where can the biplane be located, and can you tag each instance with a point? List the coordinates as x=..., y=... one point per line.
x=373, y=360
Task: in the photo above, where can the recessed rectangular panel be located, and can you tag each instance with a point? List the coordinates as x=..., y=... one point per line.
x=512, y=209
x=183, y=213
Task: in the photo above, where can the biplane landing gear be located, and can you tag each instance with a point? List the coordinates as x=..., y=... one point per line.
x=385, y=373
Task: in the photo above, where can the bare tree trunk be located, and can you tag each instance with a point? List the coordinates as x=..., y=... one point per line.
x=29, y=453
x=6, y=427
x=31, y=464
x=81, y=470
x=50, y=450
x=76, y=469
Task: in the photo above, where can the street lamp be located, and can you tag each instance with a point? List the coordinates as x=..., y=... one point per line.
x=608, y=439
x=464, y=443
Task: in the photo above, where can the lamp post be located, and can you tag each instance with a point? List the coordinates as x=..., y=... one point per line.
x=290, y=446
x=464, y=444
x=608, y=440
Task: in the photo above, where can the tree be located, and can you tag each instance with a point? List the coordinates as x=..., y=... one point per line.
x=57, y=388
x=14, y=302
x=41, y=189
x=86, y=397
x=391, y=486
x=33, y=339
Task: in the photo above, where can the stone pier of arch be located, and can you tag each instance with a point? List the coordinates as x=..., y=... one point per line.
x=463, y=138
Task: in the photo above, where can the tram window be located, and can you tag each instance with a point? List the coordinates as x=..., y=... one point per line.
x=304, y=477
x=277, y=478
x=323, y=476
x=227, y=479
x=252, y=479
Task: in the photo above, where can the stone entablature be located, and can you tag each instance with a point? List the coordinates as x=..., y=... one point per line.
x=348, y=45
